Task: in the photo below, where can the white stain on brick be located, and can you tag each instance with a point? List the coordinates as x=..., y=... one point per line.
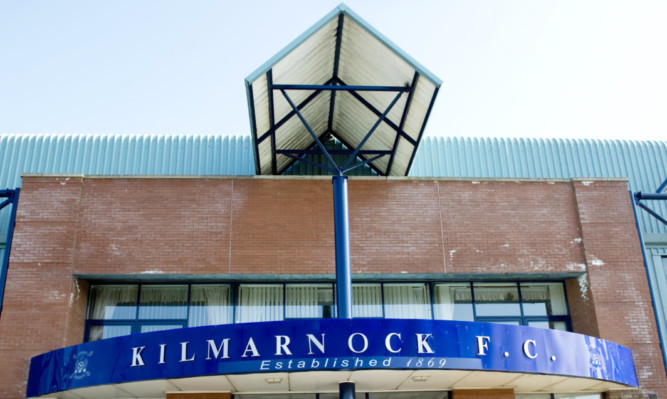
x=152, y=272
x=576, y=240
x=475, y=182
x=575, y=267
x=596, y=262
x=586, y=183
x=506, y=245
x=56, y=296
x=583, y=286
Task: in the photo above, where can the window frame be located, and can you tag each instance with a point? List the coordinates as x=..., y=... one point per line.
x=430, y=286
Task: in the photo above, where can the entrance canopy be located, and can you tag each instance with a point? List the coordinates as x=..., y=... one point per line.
x=315, y=355
x=342, y=79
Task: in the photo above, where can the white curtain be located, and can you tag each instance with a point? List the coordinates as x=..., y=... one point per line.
x=498, y=293
x=113, y=302
x=163, y=302
x=547, y=292
x=308, y=300
x=260, y=302
x=406, y=301
x=210, y=305
x=366, y=300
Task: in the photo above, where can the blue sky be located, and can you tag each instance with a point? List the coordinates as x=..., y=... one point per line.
x=571, y=69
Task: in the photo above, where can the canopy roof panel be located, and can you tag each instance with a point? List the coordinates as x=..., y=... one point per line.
x=344, y=79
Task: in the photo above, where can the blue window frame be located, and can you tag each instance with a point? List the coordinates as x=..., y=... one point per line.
x=122, y=309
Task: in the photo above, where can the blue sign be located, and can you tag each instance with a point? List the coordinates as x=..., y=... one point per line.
x=329, y=344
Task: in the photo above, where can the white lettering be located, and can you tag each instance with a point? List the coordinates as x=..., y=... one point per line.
x=217, y=349
x=184, y=353
x=318, y=344
x=250, y=348
x=162, y=350
x=137, y=360
x=482, y=344
x=387, y=342
x=265, y=365
x=349, y=343
x=526, y=349
x=281, y=344
x=423, y=346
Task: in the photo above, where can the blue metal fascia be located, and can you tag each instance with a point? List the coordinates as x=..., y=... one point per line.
x=272, y=122
x=339, y=87
x=648, y=277
x=253, y=126
x=332, y=152
x=13, y=196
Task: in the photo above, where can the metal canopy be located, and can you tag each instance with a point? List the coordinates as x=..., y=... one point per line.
x=342, y=79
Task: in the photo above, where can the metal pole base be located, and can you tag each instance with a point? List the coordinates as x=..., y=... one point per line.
x=346, y=390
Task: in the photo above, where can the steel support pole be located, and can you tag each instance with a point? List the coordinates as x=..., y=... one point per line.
x=342, y=230
x=346, y=389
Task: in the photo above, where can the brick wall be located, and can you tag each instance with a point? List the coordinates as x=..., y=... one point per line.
x=68, y=226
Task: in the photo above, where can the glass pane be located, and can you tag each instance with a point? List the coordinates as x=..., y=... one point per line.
x=554, y=325
x=509, y=322
x=113, y=302
x=533, y=396
x=309, y=301
x=577, y=396
x=163, y=302
x=159, y=327
x=103, y=332
x=543, y=299
x=496, y=299
x=406, y=301
x=260, y=302
x=453, y=302
x=366, y=300
x=210, y=304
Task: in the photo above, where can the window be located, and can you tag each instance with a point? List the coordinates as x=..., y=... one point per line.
x=117, y=309
x=309, y=301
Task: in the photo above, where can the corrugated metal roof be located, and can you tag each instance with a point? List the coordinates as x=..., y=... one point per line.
x=340, y=50
x=204, y=155
x=644, y=163
x=123, y=155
